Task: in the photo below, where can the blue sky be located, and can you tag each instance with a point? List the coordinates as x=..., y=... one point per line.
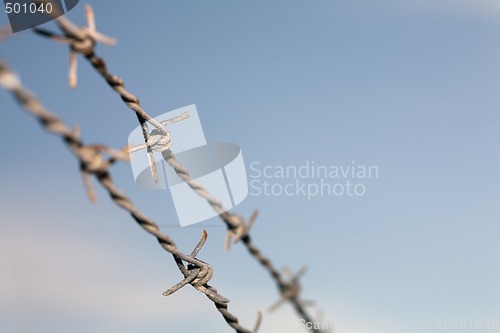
x=408, y=86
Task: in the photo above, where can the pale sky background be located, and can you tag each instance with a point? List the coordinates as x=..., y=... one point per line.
x=409, y=86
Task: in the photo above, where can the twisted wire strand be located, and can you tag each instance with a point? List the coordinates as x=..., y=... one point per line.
x=289, y=290
x=93, y=162
x=84, y=44
x=83, y=41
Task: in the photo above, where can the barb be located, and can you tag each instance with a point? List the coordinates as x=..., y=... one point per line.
x=199, y=277
x=237, y=229
x=241, y=230
x=158, y=141
x=93, y=163
x=292, y=290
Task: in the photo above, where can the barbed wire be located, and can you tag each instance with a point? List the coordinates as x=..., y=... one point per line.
x=239, y=230
x=82, y=40
x=93, y=162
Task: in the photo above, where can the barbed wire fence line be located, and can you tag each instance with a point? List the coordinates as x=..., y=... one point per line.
x=93, y=162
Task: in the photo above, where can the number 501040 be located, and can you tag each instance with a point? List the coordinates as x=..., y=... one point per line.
x=31, y=8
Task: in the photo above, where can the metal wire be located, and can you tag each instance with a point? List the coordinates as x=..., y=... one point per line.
x=237, y=229
x=93, y=162
x=83, y=40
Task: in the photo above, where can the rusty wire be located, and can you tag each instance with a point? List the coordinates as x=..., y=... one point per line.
x=93, y=162
x=239, y=230
x=83, y=40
